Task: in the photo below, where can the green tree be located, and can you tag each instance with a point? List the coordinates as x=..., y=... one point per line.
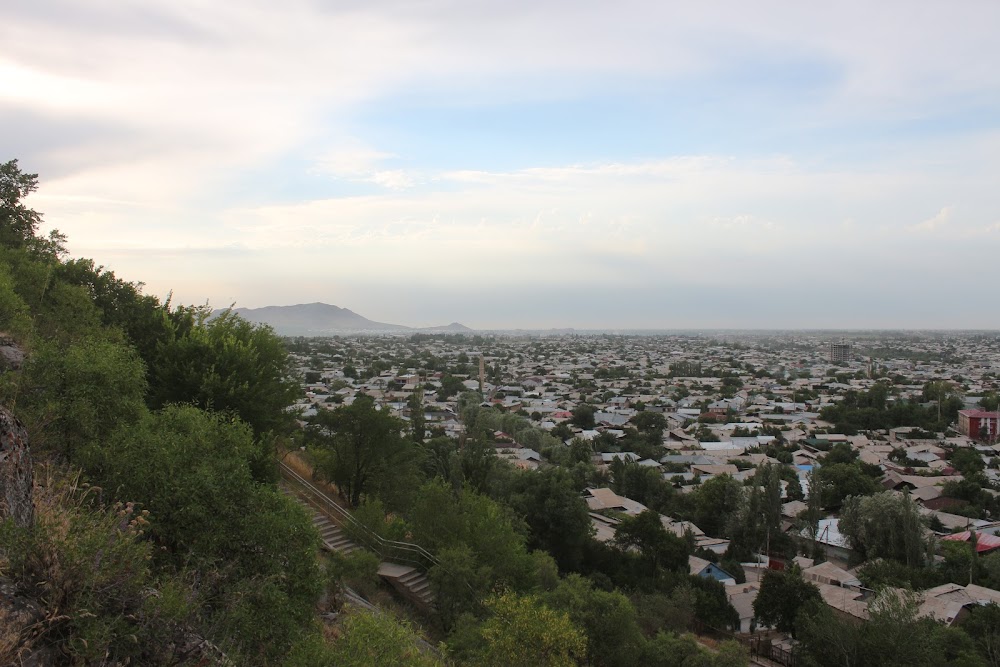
x=555, y=513
x=225, y=364
x=122, y=305
x=81, y=393
x=583, y=416
x=358, y=445
x=442, y=519
x=715, y=501
x=651, y=425
x=416, y=405
x=523, y=632
x=967, y=461
x=782, y=595
x=886, y=525
x=659, y=548
x=607, y=617
x=192, y=471
x=369, y=639
x=840, y=480
x=18, y=223
x=983, y=625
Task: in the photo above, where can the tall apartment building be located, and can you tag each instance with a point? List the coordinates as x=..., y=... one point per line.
x=840, y=352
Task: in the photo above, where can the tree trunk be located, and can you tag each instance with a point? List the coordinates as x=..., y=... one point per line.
x=16, y=484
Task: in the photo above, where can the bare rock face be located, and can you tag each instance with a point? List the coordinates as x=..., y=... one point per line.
x=15, y=472
x=11, y=356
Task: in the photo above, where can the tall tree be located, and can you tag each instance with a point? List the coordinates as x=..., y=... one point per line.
x=781, y=596
x=18, y=223
x=887, y=525
x=556, y=514
x=357, y=445
x=225, y=364
x=661, y=549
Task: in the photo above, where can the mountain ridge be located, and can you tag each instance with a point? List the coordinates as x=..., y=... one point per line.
x=318, y=318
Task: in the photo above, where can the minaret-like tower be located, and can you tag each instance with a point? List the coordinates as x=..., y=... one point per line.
x=482, y=372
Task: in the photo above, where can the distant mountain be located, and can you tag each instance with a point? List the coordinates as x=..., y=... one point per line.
x=319, y=319
x=454, y=327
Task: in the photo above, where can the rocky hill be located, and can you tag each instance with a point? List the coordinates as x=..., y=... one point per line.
x=319, y=319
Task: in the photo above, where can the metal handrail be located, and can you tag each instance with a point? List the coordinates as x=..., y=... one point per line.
x=386, y=549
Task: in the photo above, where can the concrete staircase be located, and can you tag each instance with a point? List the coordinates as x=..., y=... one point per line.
x=332, y=535
x=410, y=582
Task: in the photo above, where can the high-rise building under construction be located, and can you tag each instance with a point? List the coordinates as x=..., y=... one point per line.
x=840, y=352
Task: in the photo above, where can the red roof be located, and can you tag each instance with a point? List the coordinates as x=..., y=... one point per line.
x=979, y=414
x=984, y=541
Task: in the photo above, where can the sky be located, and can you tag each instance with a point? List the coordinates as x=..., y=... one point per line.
x=504, y=164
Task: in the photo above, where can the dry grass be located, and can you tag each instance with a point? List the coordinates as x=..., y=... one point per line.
x=298, y=461
x=10, y=638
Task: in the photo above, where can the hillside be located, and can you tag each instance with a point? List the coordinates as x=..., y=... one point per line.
x=318, y=319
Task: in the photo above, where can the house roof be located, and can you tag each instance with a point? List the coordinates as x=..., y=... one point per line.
x=697, y=565
x=606, y=499
x=979, y=414
x=984, y=541
x=741, y=597
x=845, y=600
x=828, y=573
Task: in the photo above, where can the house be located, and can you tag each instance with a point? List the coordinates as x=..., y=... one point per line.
x=828, y=573
x=848, y=603
x=606, y=499
x=741, y=597
x=699, y=567
x=831, y=541
x=948, y=603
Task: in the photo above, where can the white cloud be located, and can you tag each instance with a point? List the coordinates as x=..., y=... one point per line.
x=940, y=219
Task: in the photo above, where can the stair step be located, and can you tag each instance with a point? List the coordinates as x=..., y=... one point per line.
x=420, y=590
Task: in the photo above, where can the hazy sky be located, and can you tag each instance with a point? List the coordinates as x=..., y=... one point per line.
x=514, y=163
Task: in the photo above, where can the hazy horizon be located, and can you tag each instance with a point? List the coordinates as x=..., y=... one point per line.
x=525, y=165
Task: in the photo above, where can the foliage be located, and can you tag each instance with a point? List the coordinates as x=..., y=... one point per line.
x=672, y=650
x=782, y=595
x=556, y=515
x=77, y=395
x=523, y=632
x=460, y=583
x=442, y=519
x=839, y=480
x=886, y=525
x=357, y=570
x=983, y=626
x=660, y=549
x=122, y=306
x=607, y=617
x=872, y=410
x=645, y=485
x=225, y=364
x=715, y=501
x=18, y=223
x=192, y=471
x=358, y=446
x=373, y=639
x=583, y=416
x=90, y=567
x=893, y=635
x=758, y=520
